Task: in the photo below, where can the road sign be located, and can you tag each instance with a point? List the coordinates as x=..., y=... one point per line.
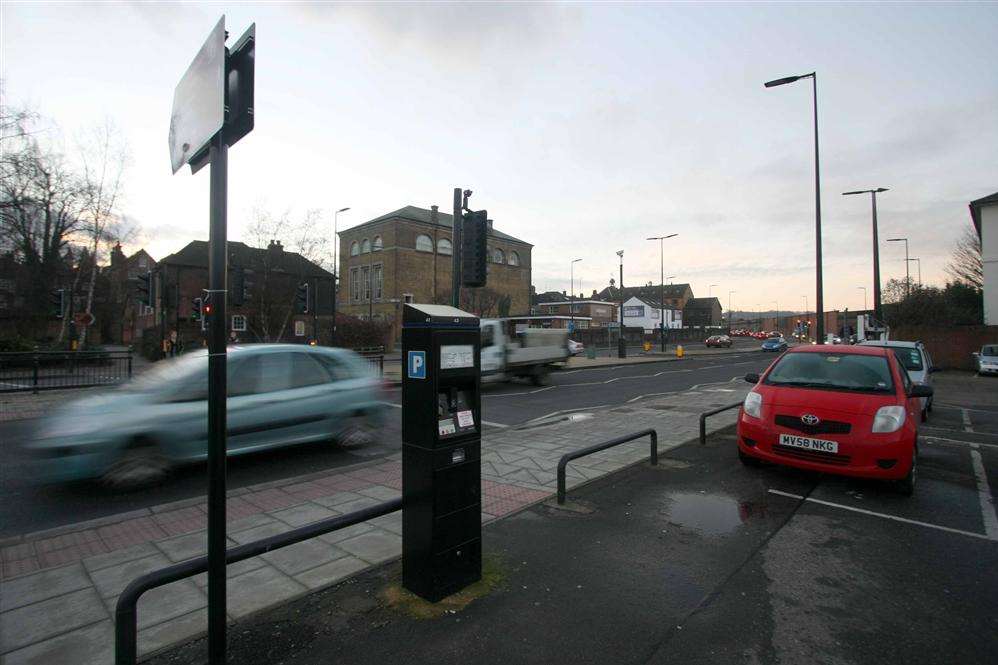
x=299, y=328
x=199, y=100
x=417, y=364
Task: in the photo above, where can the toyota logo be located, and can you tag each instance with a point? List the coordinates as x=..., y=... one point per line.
x=809, y=419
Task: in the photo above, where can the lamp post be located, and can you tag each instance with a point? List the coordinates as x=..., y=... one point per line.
x=709, y=290
x=571, y=297
x=661, y=304
x=777, y=303
x=907, y=274
x=332, y=331
x=670, y=278
x=864, y=296
x=621, y=344
x=918, y=262
x=819, y=303
x=729, y=309
x=876, y=247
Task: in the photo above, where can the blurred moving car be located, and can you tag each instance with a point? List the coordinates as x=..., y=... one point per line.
x=718, y=341
x=850, y=410
x=987, y=359
x=916, y=361
x=777, y=344
x=575, y=348
x=278, y=395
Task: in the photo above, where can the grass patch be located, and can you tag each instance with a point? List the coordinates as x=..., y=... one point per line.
x=402, y=600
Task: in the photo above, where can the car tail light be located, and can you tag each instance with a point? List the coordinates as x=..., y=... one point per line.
x=888, y=419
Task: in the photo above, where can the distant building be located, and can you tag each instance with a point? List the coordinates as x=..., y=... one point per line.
x=647, y=314
x=589, y=313
x=407, y=256
x=702, y=312
x=675, y=295
x=125, y=317
x=984, y=213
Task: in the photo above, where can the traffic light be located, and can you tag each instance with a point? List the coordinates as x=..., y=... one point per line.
x=57, y=298
x=206, y=310
x=474, y=248
x=197, y=305
x=302, y=298
x=237, y=292
x=145, y=289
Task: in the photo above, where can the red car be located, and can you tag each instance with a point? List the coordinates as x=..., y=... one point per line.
x=851, y=411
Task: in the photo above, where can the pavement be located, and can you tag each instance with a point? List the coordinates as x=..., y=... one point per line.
x=700, y=560
x=59, y=587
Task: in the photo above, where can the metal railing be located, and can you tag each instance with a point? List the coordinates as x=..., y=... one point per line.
x=374, y=355
x=565, y=459
x=58, y=370
x=125, y=611
x=703, y=420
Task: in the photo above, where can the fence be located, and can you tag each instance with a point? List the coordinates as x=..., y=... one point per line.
x=57, y=370
x=703, y=420
x=563, y=462
x=374, y=355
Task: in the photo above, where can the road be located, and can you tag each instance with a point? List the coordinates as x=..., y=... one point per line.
x=28, y=507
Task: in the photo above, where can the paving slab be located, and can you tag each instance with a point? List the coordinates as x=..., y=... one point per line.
x=50, y=618
x=374, y=546
x=46, y=584
x=89, y=645
x=259, y=589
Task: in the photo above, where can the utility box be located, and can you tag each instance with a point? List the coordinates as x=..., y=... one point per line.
x=441, y=450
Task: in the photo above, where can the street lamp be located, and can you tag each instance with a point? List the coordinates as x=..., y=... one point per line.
x=820, y=303
x=661, y=305
x=332, y=332
x=876, y=248
x=571, y=296
x=907, y=274
x=729, y=309
x=709, y=292
x=918, y=262
x=864, y=296
x=670, y=278
x=777, y=303
x=621, y=345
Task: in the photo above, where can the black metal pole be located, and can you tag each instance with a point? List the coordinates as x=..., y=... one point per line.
x=218, y=257
x=455, y=280
x=876, y=262
x=661, y=299
x=820, y=313
x=907, y=273
x=621, y=342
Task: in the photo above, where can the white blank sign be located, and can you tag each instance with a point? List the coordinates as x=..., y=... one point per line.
x=199, y=100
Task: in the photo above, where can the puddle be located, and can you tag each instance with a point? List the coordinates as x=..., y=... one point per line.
x=710, y=514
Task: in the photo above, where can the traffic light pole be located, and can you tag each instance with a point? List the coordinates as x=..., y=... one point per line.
x=217, y=258
x=456, y=249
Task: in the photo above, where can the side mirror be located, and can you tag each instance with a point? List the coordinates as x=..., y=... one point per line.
x=752, y=378
x=921, y=390
x=976, y=354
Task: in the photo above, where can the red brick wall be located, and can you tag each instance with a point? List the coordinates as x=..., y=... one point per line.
x=949, y=347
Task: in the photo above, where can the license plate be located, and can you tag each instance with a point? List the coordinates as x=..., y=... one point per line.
x=807, y=443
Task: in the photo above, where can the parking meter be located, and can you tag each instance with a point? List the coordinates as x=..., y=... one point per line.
x=441, y=450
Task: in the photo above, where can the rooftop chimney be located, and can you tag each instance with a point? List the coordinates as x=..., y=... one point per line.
x=433, y=214
x=488, y=223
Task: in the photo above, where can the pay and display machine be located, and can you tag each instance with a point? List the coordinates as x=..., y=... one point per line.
x=441, y=450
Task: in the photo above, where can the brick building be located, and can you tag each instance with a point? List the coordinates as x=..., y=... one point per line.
x=594, y=313
x=406, y=256
x=124, y=318
x=676, y=295
x=702, y=312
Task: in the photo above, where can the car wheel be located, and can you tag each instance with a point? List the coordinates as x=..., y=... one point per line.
x=906, y=486
x=141, y=465
x=539, y=376
x=359, y=432
x=747, y=460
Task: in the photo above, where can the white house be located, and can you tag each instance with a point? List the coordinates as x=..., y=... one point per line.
x=984, y=212
x=639, y=312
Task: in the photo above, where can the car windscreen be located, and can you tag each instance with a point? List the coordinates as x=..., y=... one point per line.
x=909, y=357
x=833, y=371
x=989, y=350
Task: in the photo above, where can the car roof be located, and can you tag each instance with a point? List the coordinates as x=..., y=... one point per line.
x=274, y=348
x=843, y=350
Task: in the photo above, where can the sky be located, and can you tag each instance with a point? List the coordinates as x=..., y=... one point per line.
x=583, y=128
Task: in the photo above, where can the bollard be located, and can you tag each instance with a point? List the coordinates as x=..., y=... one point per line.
x=679, y=351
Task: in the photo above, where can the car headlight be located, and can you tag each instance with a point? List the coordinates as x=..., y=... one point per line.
x=888, y=419
x=753, y=405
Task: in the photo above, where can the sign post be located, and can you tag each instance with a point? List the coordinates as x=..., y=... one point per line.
x=212, y=109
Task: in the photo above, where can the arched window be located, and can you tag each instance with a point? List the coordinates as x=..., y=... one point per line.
x=378, y=244
x=489, y=255
x=444, y=247
x=514, y=258
x=424, y=243
x=354, y=248
x=499, y=256
x=365, y=246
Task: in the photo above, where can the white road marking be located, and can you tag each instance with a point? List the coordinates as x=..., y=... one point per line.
x=984, y=495
x=611, y=380
x=540, y=390
x=972, y=444
x=954, y=406
x=950, y=429
x=895, y=518
x=967, y=427
x=491, y=424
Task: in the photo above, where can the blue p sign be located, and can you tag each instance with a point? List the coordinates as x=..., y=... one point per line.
x=417, y=365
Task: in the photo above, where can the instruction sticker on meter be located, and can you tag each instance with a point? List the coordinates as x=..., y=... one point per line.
x=446, y=427
x=456, y=356
x=465, y=419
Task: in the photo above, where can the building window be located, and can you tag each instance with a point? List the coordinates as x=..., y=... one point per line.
x=354, y=248
x=499, y=256
x=444, y=247
x=142, y=262
x=377, y=281
x=408, y=298
x=365, y=280
x=238, y=323
x=424, y=243
x=514, y=258
x=378, y=244
x=365, y=246
x=355, y=284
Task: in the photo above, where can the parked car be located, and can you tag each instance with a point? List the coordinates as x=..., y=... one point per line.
x=718, y=341
x=777, y=344
x=915, y=360
x=987, y=359
x=278, y=395
x=575, y=348
x=849, y=410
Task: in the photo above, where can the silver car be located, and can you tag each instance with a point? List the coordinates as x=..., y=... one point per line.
x=987, y=360
x=914, y=357
x=278, y=395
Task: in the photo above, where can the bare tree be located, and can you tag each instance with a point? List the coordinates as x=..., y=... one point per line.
x=966, y=264
x=104, y=157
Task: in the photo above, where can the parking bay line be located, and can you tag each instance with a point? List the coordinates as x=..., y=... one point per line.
x=984, y=495
x=895, y=518
x=966, y=421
